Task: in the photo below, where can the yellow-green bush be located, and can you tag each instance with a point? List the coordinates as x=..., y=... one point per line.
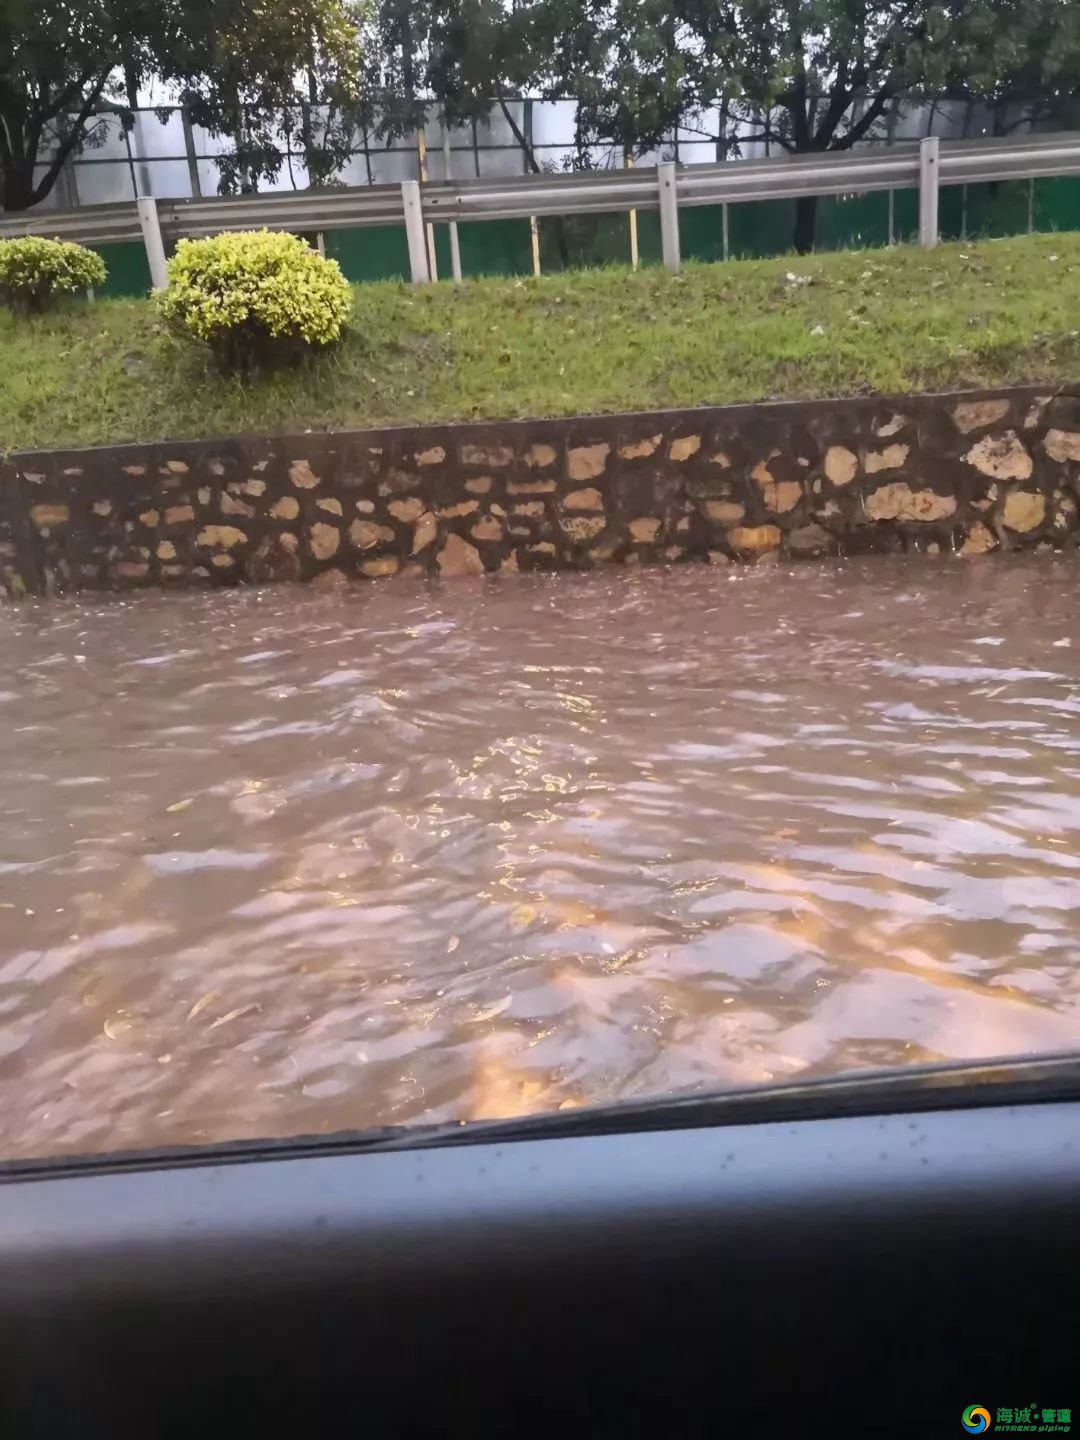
x=256, y=298
x=33, y=270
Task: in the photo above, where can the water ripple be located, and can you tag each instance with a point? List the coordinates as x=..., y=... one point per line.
x=277, y=862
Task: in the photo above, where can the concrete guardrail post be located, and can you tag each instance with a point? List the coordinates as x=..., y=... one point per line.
x=414, y=231
x=669, y=215
x=155, y=247
x=929, y=158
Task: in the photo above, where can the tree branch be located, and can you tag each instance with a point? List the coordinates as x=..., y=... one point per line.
x=516, y=131
x=870, y=117
x=68, y=144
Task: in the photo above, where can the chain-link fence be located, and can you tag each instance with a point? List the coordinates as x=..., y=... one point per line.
x=162, y=154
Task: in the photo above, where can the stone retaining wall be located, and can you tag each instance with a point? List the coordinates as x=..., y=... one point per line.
x=970, y=472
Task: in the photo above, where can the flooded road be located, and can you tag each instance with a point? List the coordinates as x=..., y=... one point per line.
x=274, y=862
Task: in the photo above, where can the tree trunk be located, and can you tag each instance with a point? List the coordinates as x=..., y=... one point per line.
x=805, y=223
x=16, y=189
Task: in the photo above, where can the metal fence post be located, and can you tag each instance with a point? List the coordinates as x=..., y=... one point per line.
x=669, y=215
x=929, y=155
x=414, y=231
x=155, y=248
x=455, y=241
x=429, y=229
x=635, y=256
x=190, y=154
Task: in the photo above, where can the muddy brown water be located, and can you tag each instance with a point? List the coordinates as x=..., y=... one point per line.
x=275, y=862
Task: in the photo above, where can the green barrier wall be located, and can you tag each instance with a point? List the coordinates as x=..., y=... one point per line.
x=128, y=269
x=755, y=230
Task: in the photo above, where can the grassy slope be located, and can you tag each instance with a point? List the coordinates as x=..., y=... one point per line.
x=592, y=341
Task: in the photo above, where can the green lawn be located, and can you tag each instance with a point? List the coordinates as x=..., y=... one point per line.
x=871, y=321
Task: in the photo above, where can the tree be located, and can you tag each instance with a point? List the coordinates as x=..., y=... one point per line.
x=820, y=75
x=632, y=66
x=65, y=63
x=1024, y=60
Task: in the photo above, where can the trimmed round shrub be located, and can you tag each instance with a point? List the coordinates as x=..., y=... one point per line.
x=33, y=271
x=257, y=299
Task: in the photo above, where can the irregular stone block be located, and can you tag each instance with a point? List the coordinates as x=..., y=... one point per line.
x=479, y=484
x=487, y=529
x=331, y=506
x=645, y=530
x=323, y=540
x=496, y=456
x=425, y=532
x=1003, y=457
x=381, y=565
x=231, y=506
x=1065, y=512
x=754, y=539
x=224, y=537
x=302, y=475
x=1062, y=445
x=435, y=456
x=586, y=462
x=529, y=507
x=458, y=557
x=1023, y=511
x=103, y=507
x=531, y=487
x=640, y=449
x=539, y=457
x=977, y=414
x=406, y=510
x=979, y=540
x=891, y=458
x=727, y=512
x=44, y=516
x=254, y=487
x=890, y=427
x=287, y=508
x=364, y=534
x=680, y=450
x=149, y=518
x=781, y=496
x=463, y=507
x=841, y=465
x=166, y=550
x=581, y=528
x=587, y=499
x=899, y=502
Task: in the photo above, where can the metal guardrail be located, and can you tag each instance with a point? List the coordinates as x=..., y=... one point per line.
x=666, y=188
